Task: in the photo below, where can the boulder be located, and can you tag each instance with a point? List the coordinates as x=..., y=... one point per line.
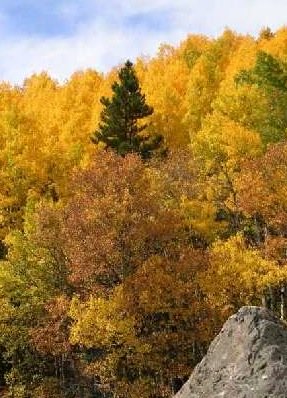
x=248, y=359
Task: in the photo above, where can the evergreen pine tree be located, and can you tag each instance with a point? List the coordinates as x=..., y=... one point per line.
x=119, y=128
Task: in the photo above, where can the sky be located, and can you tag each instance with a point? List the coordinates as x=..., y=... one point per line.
x=62, y=36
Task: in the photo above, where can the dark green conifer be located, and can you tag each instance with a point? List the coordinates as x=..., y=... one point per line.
x=120, y=128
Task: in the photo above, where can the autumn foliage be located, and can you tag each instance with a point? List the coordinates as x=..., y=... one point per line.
x=118, y=269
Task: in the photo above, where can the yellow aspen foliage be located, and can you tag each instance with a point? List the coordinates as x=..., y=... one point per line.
x=205, y=79
x=45, y=133
x=147, y=325
x=164, y=83
x=224, y=141
x=237, y=101
x=275, y=43
x=219, y=148
x=200, y=216
x=192, y=48
x=104, y=324
x=243, y=57
x=239, y=275
x=78, y=99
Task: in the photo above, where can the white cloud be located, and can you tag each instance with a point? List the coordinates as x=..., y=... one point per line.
x=97, y=45
x=101, y=40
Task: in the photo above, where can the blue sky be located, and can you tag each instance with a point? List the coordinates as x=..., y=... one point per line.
x=62, y=36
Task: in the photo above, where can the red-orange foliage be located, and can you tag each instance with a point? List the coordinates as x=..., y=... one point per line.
x=117, y=218
x=52, y=336
x=262, y=188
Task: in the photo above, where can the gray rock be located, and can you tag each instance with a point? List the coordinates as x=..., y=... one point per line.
x=248, y=359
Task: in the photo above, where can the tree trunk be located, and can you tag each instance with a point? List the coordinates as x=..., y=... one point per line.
x=282, y=302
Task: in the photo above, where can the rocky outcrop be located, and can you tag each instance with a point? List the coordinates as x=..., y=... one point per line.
x=248, y=359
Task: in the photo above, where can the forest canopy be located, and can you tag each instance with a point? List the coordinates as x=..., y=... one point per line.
x=119, y=266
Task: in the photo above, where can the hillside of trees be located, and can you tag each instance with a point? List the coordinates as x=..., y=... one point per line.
x=123, y=255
